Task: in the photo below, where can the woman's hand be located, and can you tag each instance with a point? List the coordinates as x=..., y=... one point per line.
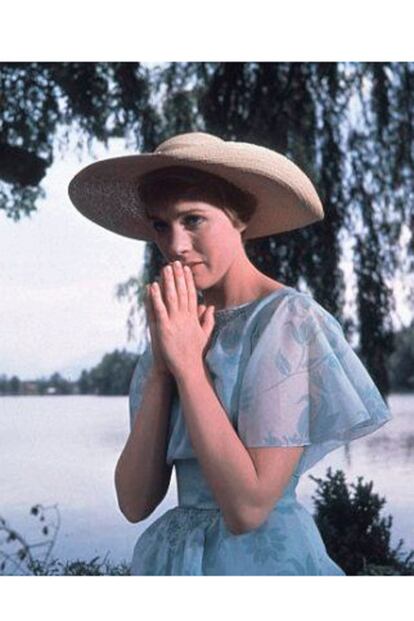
x=158, y=363
x=180, y=328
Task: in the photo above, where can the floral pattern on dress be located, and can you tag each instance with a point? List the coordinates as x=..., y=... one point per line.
x=267, y=543
x=285, y=377
x=312, y=392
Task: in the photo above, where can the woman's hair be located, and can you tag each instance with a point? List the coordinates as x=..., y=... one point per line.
x=168, y=185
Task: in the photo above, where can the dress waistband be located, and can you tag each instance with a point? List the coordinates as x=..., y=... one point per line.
x=193, y=490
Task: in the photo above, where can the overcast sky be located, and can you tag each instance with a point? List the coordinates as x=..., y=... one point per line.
x=58, y=277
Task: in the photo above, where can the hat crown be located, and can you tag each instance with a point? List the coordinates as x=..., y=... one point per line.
x=190, y=139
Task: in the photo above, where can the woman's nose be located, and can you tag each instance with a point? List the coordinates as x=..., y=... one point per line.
x=179, y=243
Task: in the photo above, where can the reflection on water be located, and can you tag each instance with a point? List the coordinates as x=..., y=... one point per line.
x=399, y=448
x=64, y=449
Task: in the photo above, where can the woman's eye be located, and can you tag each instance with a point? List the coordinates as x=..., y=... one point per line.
x=192, y=218
x=158, y=224
x=189, y=220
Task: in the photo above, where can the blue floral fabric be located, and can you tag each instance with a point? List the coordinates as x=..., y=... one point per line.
x=286, y=376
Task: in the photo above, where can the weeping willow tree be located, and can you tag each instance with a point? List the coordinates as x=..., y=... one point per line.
x=348, y=125
x=42, y=105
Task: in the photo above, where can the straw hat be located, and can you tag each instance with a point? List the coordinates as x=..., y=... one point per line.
x=106, y=191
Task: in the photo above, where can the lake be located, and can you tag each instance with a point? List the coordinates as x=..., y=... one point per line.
x=62, y=450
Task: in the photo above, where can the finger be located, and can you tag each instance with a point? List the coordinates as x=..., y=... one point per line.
x=147, y=299
x=201, y=310
x=169, y=289
x=152, y=324
x=148, y=304
x=160, y=311
x=191, y=290
x=163, y=283
x=180, y=285
x=208, y=320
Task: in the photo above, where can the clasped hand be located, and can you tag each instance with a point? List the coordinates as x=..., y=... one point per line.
x=180, y=327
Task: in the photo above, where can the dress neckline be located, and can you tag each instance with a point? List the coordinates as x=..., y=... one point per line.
x=231, y=310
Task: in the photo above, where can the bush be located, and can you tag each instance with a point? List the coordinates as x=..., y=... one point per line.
x=357, y=538
x=19, y=557
x=80, y=568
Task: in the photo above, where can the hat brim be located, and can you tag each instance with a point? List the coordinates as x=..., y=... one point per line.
x=106, y=191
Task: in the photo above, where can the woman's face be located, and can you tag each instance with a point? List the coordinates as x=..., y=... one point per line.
x=197, y=232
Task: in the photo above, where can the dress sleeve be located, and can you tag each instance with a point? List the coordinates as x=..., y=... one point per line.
x=303, y=385
x=139, y=375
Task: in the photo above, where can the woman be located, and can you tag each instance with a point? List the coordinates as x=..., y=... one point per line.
x=242, y=393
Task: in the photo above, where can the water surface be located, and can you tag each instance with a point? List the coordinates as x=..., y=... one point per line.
x=63, y=450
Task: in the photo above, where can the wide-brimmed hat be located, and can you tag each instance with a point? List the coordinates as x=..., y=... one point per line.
x=106, y=191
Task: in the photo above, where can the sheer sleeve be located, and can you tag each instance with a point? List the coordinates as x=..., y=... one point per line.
x=139, y=375
x=303, y=385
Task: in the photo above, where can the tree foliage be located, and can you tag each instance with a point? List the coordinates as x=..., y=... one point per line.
x=348, y=125
x=111, y=376
x=356, y=536
x=401, y=364
x=42, y=103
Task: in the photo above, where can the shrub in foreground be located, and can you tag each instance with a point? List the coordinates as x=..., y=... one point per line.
x=356, y=536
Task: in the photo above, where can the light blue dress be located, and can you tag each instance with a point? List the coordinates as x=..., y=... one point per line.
x=286, y=376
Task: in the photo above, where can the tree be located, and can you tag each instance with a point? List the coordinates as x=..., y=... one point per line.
x=112, y=376
x=84, y=383
x=3, y=384
x=60, y=384
x=350, y=126
x=401, y=363
x=14, y=385
x=41, y=102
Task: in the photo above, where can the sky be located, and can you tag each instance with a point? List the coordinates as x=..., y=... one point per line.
x=58, y=277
